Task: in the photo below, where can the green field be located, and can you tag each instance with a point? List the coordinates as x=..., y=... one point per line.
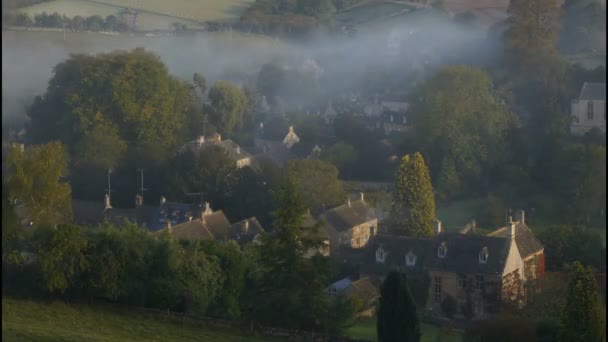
x=37, y=321
x=366, y=330
x=153, y=15
x=367, y=13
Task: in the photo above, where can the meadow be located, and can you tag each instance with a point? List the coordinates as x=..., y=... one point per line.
x=366, y=330
x=24, y=320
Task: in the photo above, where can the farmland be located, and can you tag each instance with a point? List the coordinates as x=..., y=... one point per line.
x=152, y=14
x=37, y=321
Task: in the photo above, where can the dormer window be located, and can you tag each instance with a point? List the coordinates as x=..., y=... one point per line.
x=380, y=255
x=410, y=259
x=483, y=255
x=590, y=110
x=442, y=250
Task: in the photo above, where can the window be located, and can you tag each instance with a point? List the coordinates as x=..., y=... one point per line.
x=478, y=282
x=462, y=305
x=442, y=251
x=483, y=255
x=380, y=255
x=590, y=110
x=437, y=289
x=462, y=281
x=410, y=259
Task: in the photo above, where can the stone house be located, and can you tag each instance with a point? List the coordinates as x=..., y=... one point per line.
x=246, y=231
x=479, y=272
x=235, y=152
x=589, y=109
x=209, y=225
x=350, y=225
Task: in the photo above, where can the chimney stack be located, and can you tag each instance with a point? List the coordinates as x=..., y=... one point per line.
x=520, y=216
x=246, y=226
x=201, y=140
x=139, y=201
x=238, y=150
x=107, y=202
x=438, y=227
x=362, y=197
x=163, y=200
x=348, y=201
x=511, y=228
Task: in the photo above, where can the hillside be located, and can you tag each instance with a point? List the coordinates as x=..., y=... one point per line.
x=38, y=321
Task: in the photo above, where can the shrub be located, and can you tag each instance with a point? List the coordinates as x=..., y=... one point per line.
x=449, y=306
x=502, y=329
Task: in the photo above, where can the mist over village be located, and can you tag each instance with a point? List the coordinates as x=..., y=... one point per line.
x=304, y=170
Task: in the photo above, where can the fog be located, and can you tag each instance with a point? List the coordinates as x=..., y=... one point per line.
x=406, y=50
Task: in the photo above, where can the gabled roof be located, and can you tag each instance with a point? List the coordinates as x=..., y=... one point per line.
x=218, y=225
x=527, y=243
x=215, y=226
x=345, y=217
x=395, y=250
x=234, y=151
x=593, y=91
x=244, y=231
x=365, y=289
x=175, y=212
x=463, y=250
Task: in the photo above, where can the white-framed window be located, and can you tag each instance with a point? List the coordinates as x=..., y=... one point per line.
x=462, y=281
x=442, y=250
x=437, y=289
x=483, y=255
x=410, y=259
x=478, y=282
x=380, y=255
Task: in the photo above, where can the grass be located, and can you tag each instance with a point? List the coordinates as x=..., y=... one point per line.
x=154, y=14
x=24, y=320
x=457, y=214
x=366, y=330
x=367, y=13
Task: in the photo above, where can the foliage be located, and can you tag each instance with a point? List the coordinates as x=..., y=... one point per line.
x=501, y=329
x=584, y=27
x=35, y=181
x=77, y=23
x=397, y=317
x=582, y=318
x=61, y=253
x=461, y=126
x=322, y=9
x=566, y=244
x=413, y=210
x=11, y=231
x=340, y=154
x=532, y=32
x=200, y=82
x=86, y=92
x=491, y=213
x=270, y=80
x=316, y=181
x=228, y=107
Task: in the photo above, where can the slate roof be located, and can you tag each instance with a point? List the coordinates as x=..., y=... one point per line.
x=218, y=225
x=463, y=253
x=527, y=243
x=345, y=217
x=274, y=151
x=93, y=213
x=593, y=91
x=243, y=234
x=341, y=284
x=175, y=212
x=214, y=227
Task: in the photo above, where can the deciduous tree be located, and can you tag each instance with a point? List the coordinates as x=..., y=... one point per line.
x=228, y=107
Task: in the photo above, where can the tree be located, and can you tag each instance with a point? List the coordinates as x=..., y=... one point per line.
x=461, y=124
x=582, y=318
x=584, y=26
x=270, y=81
x=413, y=209
x=11, y=231
x=397, y=317
x=316, y=181
x=491, y=212
x=321, y=9
x=61, y=253
x=102, y=148
x=228, y=107
x=36, y=181
x=532, y=33
x=148, y=111
x=200, y=82
x=566, y=244
x=340, y=154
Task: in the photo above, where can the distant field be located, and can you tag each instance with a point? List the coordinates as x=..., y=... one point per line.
x=37, y=321
x=154, y=15
x=366, y=13
x=366, y=330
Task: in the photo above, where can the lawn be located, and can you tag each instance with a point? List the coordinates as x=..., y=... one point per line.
x=366, y=330
x=37, y=321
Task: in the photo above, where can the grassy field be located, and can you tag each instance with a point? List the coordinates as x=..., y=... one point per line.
x=36, y=321
x=363, y=14
x=366, y=330
x=154, y=15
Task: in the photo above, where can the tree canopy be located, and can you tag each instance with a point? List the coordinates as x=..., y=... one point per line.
x=397, y=317
x=316, y=181
x=413, y=209
x=228, y=107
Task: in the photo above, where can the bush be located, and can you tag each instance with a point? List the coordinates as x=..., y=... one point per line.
x=449, y=306
x=503, y=329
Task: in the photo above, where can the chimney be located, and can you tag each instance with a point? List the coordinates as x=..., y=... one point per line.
x=218, y=137
x=511, y=228
x=290, y=129
x=139, y=201
x=348, y=201
x=163, y=200
x=238, y=150
x=520, y=216
x=169, y=225
x=308, y=211
x=362, y=197
x=107, y=202
x=246, y=226
x=438, y=228
x=201, y=140
x=207, y=211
